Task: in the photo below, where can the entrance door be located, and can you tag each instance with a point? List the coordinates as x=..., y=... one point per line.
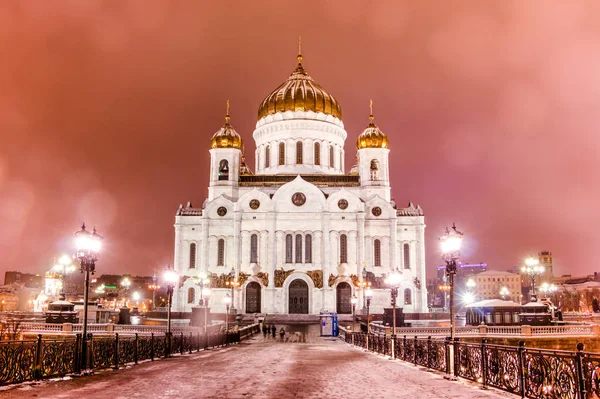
x=344, y=297
x=253, y=297
x=298, y=297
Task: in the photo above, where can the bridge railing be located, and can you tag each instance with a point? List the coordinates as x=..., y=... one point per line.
x=36, y=359
x=29, y=327
x=528, y=372
x=484, y=330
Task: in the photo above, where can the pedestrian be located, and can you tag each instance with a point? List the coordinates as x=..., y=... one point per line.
x=265, y=332
x=281, y=334
x=273, y=330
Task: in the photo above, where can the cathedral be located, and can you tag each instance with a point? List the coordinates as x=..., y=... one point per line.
x=299, y=235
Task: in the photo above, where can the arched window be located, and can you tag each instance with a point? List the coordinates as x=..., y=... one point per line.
x=343, y=248
x=298, y=248
x=341, y=159
x=374, y=170
x=331, y=156
x=299, y=152
x=407, y=297
x=224, y=170
x=191, y=295
x=281, y=153
x=253, y=248
x=406, y=256
x=288, y=248
x=267, y=156
x=192, y=256
x=221, y=253
x=308, y=249
x=377, y=252
x=317, y=154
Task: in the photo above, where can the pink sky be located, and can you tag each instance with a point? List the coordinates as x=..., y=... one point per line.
x=107, y=108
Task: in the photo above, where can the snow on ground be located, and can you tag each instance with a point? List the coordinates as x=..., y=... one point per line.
x=323, y=367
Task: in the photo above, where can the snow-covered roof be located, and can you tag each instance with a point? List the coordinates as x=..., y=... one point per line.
x=496, y=303
x=495, y=273
x=535, y=305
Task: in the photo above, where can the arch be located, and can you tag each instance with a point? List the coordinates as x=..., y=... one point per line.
x=299, y=152
x=298, y=258
x=253, y=303
x=331, y=156
x=377, y=253
x=267, y=156
x=281, y=153
x=221, y=252
x=343, y=295
x=406, y=251
x=317, y=154
x=224, y=169
x=308, y=249
x=191, y=295
x=288, y=248
x=192, y=256
x=374, y=169
x=407, y=297
x=254, y=248
x=298, y=297
x=343, y=248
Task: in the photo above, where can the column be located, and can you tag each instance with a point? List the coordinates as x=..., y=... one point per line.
x=420, y=266
x=393, y=243
x=204, y=245
x=324, y=249
x=386, y=249
x=353, y=265
x=361, y=239
x=263, y=248
x=211, y=255
x=237, y=248
x=279, y=238
x=245, y=252
x=317, y=248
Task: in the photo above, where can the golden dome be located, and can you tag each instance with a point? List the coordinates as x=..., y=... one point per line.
x=244, y=169
x=300, y=93
x=372, y=136
x=226, y=137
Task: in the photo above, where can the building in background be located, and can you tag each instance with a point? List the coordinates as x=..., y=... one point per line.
x=490, y=282
x=26, y=279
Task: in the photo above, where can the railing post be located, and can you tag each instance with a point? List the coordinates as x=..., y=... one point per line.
x=181, y=345
x=483, y=364
x=447, y=355
x=152, y=346
x=580, y=373
x=190, y=342
x=404, y=347
x=198, y=343
x=116, y=349
x=522, y=367
x=77, y=357
x=416, y=346
x=136, y=353
x=89, y=353
x=456, y=357
x=37, y=368
x=429, y=353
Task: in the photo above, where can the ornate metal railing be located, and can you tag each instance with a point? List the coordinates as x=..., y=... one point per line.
x=484, y=330
x=528, y=372
x=28, y=360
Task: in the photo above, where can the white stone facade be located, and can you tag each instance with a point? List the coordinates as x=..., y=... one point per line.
x=300, y=215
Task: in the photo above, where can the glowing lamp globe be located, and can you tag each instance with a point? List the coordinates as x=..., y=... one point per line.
x=136, y=296
x=171, y=277
x=354, y=300
x=206, y=292
x=368, y=293
x=227, y=300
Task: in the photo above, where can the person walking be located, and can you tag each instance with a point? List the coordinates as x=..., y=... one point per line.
x=281, y=334
x=273, y=330
x=265, y=331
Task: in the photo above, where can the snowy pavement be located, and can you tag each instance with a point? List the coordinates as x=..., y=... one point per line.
x=263, y=368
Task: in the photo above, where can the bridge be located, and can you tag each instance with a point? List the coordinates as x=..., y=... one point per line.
x=264, y=367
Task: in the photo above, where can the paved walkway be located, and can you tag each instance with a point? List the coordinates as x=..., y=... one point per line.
x=263, y=368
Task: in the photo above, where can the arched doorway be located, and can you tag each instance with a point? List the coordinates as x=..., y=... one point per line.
x=298, y=294
x=344, y=297
x=253, y=297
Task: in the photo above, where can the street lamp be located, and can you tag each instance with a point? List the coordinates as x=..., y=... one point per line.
x=63, y=267
x=126, y=283
x=393, y=280
x=207, y=295
x=231, y=282
x=227, y=302
x=368, y=296
x=171, y=278
x=154, y=287
x=548, y=289
x=532, y=268
x=451, y=242
x=445, y=288
x=87, y=249
x=202, y=280
x=353, y=301
x=504, y=292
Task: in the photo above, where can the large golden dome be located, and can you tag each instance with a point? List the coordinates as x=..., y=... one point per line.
x=300, y=93
x=226, y=137
x=372, y=136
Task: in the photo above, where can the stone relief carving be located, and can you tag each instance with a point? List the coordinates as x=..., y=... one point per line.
x=417, y=283
x=354, y=279
x=332, y=279
x=219, y=280
x=317, y=277
x=242, y=278
x=281, y=275
x=263, y=277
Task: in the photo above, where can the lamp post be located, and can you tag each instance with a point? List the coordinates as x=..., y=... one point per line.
x=393, y=280
x=532, y=268
x=207, y=295
x=451, y=242
x=87, y=249
x=231, y=282
x=354, y=301
x=368, y=296
x=63, y=267
x=504, y=292
x=154, y=287
x=171, y=278
x=202, y=280
x=445, y=288
x=227, y=302
x=126, y=283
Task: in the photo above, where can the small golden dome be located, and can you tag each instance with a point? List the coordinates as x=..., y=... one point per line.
x=372, y=136
x=226, y=137
x=244, y=169
x=300, y=93
x=354, y=168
